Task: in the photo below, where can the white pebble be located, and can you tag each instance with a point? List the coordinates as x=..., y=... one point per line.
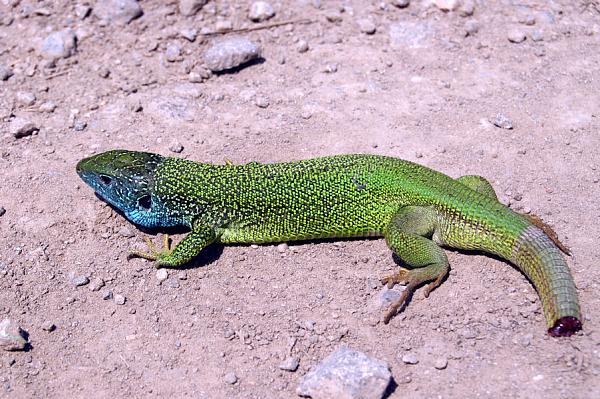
x=260, y=11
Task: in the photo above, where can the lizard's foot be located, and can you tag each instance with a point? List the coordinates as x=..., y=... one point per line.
x=413, y=278
x=154, y=253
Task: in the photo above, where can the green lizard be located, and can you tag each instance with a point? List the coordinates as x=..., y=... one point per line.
x=415, y=208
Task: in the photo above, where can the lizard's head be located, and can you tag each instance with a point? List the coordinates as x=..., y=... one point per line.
x=125, y=179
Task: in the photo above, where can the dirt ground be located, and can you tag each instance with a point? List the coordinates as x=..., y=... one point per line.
x=426, y=86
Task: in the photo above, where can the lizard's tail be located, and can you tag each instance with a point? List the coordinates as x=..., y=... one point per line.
x=536, y=254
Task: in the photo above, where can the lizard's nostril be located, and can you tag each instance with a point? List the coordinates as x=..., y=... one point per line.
x=106, y=180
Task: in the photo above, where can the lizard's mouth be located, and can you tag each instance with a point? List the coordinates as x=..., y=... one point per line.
x=565, y=327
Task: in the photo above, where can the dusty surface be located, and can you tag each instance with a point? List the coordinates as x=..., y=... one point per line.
x=417, y=88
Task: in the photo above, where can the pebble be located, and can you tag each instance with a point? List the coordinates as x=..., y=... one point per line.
x=12, y=336
x=283, y=247
x=367, y=26
x=173, y=52
x=191, y=7
x=162, y=274
x=5, y=73
x=261, y=102
x=539, y=51
x=401, y=3
x=302, y=46
x=537, y=36
x=189, y=34
x=410, y=358
x=527, y=19
x=440, y=363
x=502, y=121
x=410, y=34
x=333, y=15
x=346, y=373
x=223, y=26
x=467, y=8
x=261, y=11
x=96, y=284
x=516, y=35
x=176, y=147
x=79, y=126
x=25, y=98
x=231, y=53
x=61, y=44
x=447, y=5
x=290, y=364
x=49, y=326
x=471, y=27
x=230, y=378
x=82, y=11
x=120, y=12
x=120, y=299
x=2, y=211
x=20, y=127
x=78, y=281
x=106, y=295
x=47, y=106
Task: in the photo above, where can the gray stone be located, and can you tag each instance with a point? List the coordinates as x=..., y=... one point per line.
x=78, y=281
x=537, y=35
x=49, y=326
x=189, y=34
x=401, y=3
x=191, y=7
x=96, y=284
x=516, y=35
x=467, y=8
x=25, y=98
x=230, y=378
x=410, y=34
x=106, y=295
x=410, y=358
x=261, y=11
x=440, y=363
x=367, y=26
x=471, y=27
x=346, y=373
x=120, y=12
x=502, y=121
x=302, y=46
x=79, y=126
x=262, y=102
x=290, y=364
x=120, y=299
x=61, y=44
x=176, y=147
x=173, y=52
x=231, y=53
x=12, y=336
x=5, y=73
x=20, y=127
x=47, y=106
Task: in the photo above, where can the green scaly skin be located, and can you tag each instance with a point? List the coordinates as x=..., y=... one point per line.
x=415, y=208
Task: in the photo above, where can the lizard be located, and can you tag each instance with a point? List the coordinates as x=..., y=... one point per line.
x=416, y=209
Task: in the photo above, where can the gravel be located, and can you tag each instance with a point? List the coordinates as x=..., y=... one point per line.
x=346, y=373
x=191, y=7
x=261, y=11
x=12, y=336
x=119, y=12
x=231, y=53
x=61, y=44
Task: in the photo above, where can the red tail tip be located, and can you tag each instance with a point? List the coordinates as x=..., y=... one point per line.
x=565, y=327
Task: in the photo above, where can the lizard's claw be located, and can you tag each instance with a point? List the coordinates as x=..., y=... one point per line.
x=400, y=277
x=154, y=253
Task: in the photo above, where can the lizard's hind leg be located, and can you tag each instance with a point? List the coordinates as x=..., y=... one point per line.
x=407, y=235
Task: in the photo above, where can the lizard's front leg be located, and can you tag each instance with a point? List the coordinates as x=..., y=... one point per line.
x=199, y=238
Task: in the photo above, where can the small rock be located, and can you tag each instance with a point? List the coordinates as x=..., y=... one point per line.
x=82, y=11
x=20, y=127
x=78, y=281
x=283, y=247
x=260, y=11
x=5, y=73
x=223, y=26
x=162, y=274
x=106, y=295
x=231, y=53
x=96, y=284
x=410, y=358
x=12, y=336
x=189, y=34
x=401, y=3
x=471, y=27
x=182, y=275
x=467, y=8
x=120, y=299
x=261, y=102
x=49, y=326
x=447, y=5
x=333, y=15
x=537, y=36
x=302, y=46
x=191, y=7
x=367, y=26
x=410, y=34
x=120, y=12
x=440, y=363
x=290, y=364
x=61, y=44
x=516, y=35
x=346, y=373
x=539, y=51
x=502, y=121
x=2, y=211
x=173, y=283
x=173, y=52
x=527, y=19
x=79, y=126
x=176, y=147
x=230, y=378
x=25, y=98
x=47, y=106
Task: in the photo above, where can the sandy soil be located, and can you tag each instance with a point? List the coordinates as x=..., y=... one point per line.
x=419, y=88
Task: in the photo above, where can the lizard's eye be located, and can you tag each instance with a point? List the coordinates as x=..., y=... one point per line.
x=145, y=202
x=106, y=180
